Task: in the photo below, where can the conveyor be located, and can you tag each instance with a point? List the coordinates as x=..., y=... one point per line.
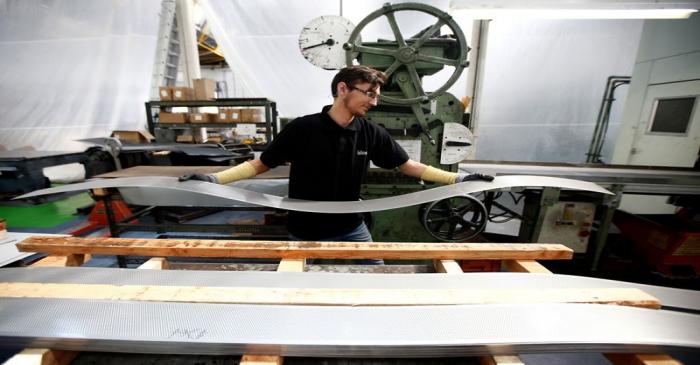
x=658, y=180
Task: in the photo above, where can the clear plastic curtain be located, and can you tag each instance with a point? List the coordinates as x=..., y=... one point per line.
x=76, y=68
x=543, y=84
x=260, y=41
x=72, y=69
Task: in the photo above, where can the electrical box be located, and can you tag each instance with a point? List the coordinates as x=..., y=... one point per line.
x=569, y=224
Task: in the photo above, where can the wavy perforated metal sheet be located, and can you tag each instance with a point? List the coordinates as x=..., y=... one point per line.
x=669, y=297
x=428, y=331
x=168, y=191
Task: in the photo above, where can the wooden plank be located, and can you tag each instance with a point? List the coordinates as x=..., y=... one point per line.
x=42, y=357
x=326, y=296
x=289, y=265
x=530, y=266
x=100, y=192
x=47, y=356
x=447, y=267
x=292, y=265
x=155, y=263
x=261, y=360
x=67, y=260
x=642, y=359
x=500, y=360
x=293, y=249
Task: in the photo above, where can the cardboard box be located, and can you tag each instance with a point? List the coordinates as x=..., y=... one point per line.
x=166, y=93
x=234, y=115
x=252, y=115
x=182, y=93
x=165, y=117
x=215, y=139
x=223, y=116
x=133, y=136
x=184, y=138
x=246, y=115
x=199, y=118
x=204, y=89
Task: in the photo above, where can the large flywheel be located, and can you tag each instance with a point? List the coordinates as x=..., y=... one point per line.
x=406, y=55
x=455, y=219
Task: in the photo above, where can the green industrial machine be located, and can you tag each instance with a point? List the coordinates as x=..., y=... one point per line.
x=430, y=125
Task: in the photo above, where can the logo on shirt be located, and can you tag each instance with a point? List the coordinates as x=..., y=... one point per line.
x=361, y=153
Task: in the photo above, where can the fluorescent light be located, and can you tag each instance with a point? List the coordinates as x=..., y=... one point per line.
x=577, y=13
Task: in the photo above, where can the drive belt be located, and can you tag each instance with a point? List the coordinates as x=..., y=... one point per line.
x=171, y=192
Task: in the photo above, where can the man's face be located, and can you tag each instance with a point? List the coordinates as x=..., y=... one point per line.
x=360, y=98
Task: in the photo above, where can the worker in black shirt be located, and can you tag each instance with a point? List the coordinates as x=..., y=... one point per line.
x=330, y=153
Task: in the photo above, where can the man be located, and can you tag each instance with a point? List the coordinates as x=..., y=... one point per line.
x=330, y=153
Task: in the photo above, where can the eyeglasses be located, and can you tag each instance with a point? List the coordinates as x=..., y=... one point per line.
x=370, y=94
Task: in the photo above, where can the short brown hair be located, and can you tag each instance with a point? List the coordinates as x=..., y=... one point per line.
x=353, y=75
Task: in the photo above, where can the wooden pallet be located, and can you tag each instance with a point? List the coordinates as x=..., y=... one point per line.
x=72, y=251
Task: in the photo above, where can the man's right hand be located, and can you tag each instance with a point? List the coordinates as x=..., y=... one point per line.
x=200, y=177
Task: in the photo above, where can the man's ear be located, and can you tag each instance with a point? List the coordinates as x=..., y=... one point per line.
x=342, y=88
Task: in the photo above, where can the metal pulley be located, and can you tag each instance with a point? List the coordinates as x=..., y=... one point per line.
x=413, y=57
x=454, y=219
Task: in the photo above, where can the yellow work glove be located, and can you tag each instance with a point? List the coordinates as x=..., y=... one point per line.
x=445, y=177
x=239, y=172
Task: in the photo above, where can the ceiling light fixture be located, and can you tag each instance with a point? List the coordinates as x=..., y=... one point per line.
x=577, y=13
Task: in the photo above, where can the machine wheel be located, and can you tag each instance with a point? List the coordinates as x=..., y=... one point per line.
x=408, y=53
x=455, y=219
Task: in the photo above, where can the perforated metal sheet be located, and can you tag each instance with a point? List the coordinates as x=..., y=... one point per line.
x=341, y=331
x=669, y=297
x=168, y=191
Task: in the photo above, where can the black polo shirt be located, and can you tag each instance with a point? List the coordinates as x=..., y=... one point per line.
x=329, y=163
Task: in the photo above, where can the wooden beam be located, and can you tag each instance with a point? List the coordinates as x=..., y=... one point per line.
x=447, y=267
x=42, y=357
x=500, y=360
x=642, y=359
x=326, y=296
x=530, y=266
x=100, y=192
x=32, y=356
x=294, y=249
x=155, y=263
x=292, y=265
x=261, y=360
x=72, y=260
x=288, y=265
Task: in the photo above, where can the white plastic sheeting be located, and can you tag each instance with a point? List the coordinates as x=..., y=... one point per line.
x=543, y=84
x=260, y=42
x=73, y=69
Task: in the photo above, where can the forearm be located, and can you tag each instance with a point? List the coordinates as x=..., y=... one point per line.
x=259, y=166
x=242, y=171
x=413, y=168
x=427, y=173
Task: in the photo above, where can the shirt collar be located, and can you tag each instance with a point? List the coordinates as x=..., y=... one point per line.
x=350, y=127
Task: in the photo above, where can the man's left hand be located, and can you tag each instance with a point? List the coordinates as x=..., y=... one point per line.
x=473, y=177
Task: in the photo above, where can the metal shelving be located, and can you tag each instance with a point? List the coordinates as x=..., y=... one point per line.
x=270, y=124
